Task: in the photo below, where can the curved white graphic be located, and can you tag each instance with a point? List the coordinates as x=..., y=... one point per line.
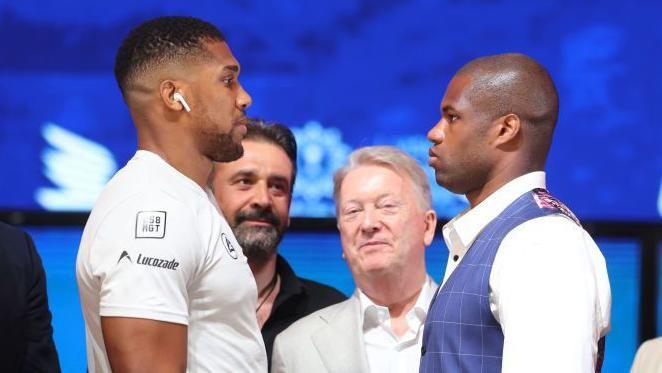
x=78, y=168
x=321, y=152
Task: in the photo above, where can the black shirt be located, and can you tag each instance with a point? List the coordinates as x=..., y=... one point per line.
x=297, y=298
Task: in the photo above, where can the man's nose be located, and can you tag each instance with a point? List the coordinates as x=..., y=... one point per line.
x=261, y=197
x=436, y=133
x=244, y=100
x=370, y=221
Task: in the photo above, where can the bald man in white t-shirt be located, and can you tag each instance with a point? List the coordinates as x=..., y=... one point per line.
x=164, y=285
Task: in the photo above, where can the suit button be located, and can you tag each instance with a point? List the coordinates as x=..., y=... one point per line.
x=422, y=350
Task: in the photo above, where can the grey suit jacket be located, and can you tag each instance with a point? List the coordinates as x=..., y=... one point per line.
x=649, y=357
x=329, y=340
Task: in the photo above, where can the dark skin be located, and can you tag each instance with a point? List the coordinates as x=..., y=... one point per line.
x=186, y=141
x=474, y=153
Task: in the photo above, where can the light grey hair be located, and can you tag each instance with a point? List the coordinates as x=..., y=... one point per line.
x=392, y=158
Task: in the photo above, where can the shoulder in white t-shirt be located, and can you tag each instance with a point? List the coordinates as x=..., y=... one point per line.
x=156, y=247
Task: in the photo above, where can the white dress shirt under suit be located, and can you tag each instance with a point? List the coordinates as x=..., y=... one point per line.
x=549, y=288
x=385, y=351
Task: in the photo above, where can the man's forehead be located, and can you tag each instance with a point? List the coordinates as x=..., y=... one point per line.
x=456, y=91
x=260, y=156
x=222, y=55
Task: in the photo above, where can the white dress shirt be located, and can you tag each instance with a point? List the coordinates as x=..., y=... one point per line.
x=385, y=351
x=549, y=288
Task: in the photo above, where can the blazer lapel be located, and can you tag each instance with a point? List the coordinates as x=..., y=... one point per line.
x=340, y=342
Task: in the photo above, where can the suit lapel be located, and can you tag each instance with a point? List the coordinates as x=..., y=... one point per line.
x=340, y=342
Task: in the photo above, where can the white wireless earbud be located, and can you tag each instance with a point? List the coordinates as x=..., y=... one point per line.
x=178, y=97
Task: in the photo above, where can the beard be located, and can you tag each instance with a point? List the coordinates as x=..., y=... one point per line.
x=223, y=147
x=258, y=242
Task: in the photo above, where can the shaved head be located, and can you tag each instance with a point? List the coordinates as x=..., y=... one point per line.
x=514, y=84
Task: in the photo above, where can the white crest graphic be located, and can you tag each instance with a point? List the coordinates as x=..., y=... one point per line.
x=321, y=152
x=78, y=168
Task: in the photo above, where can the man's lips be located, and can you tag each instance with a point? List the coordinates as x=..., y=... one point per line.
x=258, y=222
x=372, y=244
x=432, y=157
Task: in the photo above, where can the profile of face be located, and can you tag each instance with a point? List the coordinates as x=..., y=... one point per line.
x=383, y=228
x=460, y=154
x=254, y=193
x=218, y=103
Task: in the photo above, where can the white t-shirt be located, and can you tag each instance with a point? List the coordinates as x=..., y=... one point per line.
x=156, y=247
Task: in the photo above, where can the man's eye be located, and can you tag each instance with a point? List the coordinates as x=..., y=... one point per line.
x=452, y=118
x=228, y=81
x=351, y=211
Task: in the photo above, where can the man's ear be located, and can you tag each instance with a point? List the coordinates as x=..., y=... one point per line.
x=430, y=227
x=167, y=90
x=507, y=129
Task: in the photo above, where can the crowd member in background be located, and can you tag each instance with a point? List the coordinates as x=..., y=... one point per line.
x=163, y=283
x=255, y=194
x=26, y=335
x=385, y=220
x=525, y=288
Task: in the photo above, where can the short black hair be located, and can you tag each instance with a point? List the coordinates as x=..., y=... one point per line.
x=161, y=40
x=277, y=134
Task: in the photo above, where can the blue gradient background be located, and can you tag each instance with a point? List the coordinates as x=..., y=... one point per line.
x=317, y=256
x=374, y=70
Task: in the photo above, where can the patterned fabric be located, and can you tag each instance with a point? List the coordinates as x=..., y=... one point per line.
x=461, y=333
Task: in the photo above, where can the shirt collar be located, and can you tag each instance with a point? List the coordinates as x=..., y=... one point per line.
x=373, y=314
x=464, y=228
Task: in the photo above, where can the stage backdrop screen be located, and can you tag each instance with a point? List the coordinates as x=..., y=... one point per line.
x=342, y=75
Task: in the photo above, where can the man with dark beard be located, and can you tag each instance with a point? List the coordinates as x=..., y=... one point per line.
x=254, y=194
x=163, y=284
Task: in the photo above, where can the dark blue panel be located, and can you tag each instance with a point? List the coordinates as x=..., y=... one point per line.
x=344, y=75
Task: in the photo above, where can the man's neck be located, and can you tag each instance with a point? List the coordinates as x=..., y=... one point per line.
x=499, y=177
x=194, y=166
x=267, y=289
x=263, y=271
x=178, y=148
x=398, y=293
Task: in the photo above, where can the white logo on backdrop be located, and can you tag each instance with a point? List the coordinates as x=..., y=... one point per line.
x=78, y=168
x=321, y=152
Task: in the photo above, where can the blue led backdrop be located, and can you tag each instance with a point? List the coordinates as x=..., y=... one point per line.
x=342, y=74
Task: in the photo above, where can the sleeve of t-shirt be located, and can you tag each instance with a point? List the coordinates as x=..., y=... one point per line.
x=146, y=252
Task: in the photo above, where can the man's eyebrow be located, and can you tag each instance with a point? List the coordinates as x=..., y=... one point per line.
x=447, y=108
x=243, y=173
x=279, y=178
x=233, y=68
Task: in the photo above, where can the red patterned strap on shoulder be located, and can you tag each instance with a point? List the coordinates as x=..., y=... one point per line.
x=547, y=201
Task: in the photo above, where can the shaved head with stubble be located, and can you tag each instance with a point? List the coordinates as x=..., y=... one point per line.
x=498, y=117
x=516, y=84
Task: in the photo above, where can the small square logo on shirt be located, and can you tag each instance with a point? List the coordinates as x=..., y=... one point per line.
x=150, y=224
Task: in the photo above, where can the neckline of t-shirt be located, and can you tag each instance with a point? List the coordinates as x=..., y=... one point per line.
x=146, y=154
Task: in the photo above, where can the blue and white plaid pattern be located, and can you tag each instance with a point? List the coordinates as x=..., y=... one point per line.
x=461, y=334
